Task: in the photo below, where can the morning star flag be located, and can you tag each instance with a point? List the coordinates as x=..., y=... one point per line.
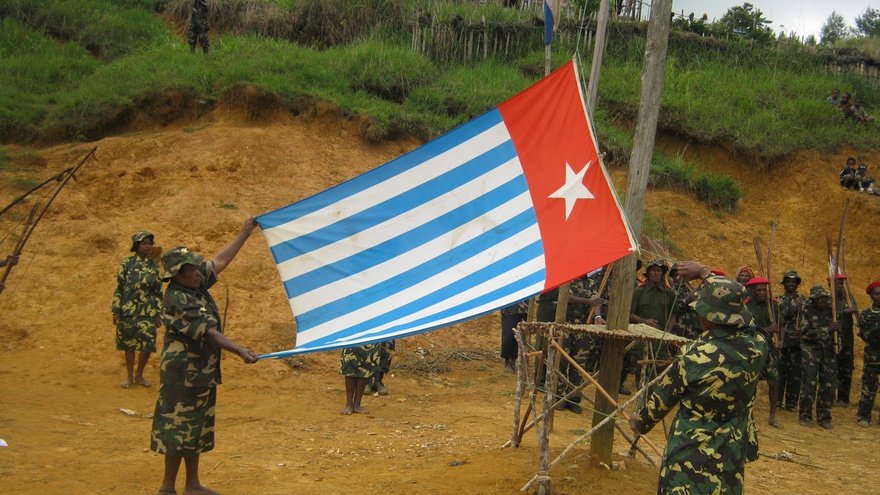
x=510, y=204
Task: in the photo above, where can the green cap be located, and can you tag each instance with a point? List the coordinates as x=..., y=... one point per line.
x=721, y=301
x=656, y=262
x=791, y=274
x=818, y=291
x=178, y=257
x=138, y=237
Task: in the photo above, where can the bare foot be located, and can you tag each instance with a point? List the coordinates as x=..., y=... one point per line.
x=142, y=381
x=348, y=410
x=202, y=490
x=774, y=422
x=361, y=410
x=126, y=383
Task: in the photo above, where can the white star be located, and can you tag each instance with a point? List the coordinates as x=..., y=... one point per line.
x=573, y=189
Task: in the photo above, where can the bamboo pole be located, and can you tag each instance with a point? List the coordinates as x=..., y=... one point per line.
x=598, y=53
x=611, y=361
x=520, y=387
x=610, y=416
x=545, y=485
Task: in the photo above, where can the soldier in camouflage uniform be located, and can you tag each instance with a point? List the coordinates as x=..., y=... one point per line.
x=652, y=304
x=579, y=346
x=511, y=316
x=869, y=332
x=183, y=422
x=136, y=305
x=846, y=352
x=198, y=26
x=687, y=323
x=357, y=365
x=375, y=384
x=819, y=364
x=757, y=305
x=714, y=380
x=791, y=307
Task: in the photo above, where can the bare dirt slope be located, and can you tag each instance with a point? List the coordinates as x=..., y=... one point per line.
x=279, y=430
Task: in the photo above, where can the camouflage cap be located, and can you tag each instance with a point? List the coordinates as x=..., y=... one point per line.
x=178, y=257
x=138, y=237
x=817, y=291
x=791, y=274
x=720, y=301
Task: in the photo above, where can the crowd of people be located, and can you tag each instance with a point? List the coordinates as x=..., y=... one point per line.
x=740, y=334
x=849, y=106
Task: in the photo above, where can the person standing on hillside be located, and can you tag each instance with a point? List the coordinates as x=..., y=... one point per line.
x=652, y=304
x=714, y=380
x=846, y=352
x=761, y=308
x=819, y=364
x=791, y=308
x=183, y=421
x=869, y=332
x=137, y=306
x=511, y=316
x=198, y=26
x=386, y=353
x=358, y=365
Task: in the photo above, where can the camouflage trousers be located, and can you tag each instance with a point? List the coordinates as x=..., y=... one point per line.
x=845, y=365
x=790, y=361
x=183, y=422
x=360, y=362
x=869, y=386
x=197, y=35
x=136, y=335
x=585, y=352
x=819, y=380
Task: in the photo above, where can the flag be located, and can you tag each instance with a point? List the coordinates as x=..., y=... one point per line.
x=508, y=205
x=551, y=19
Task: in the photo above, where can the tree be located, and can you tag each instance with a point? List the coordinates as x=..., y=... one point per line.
x=834, y=29
x=745, y=21
x=868, y=24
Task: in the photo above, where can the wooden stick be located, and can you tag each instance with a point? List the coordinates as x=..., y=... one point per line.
x=602, y=284
x=598, y=425
x=769, y=275
x=520, y=387
x=832, y=280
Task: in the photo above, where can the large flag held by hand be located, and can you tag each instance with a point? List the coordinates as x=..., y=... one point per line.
x=511, y=204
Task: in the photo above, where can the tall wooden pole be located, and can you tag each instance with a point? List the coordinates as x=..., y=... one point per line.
x=598, y=53
x=611, y=361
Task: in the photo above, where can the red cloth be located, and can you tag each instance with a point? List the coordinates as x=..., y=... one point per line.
x=873, y=286
x=757, y=281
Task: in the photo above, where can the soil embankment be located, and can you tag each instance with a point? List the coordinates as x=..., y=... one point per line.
x=279, y=430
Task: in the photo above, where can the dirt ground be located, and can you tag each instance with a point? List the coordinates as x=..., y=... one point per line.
x=441, y=429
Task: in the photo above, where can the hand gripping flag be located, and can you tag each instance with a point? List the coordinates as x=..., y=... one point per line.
x=511, y=204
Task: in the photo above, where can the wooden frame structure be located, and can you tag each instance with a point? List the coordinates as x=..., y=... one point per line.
x=540, y=349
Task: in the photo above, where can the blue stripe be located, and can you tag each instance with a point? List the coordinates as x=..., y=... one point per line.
x=501, y=294
x=410, y=240
x=353, y=302
x=380, y=174
x=548, y=23
x=397, y=205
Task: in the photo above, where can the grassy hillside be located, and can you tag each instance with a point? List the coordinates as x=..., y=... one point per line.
x=70, y=69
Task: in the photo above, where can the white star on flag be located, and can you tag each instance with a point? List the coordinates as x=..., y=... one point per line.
x=573, y=189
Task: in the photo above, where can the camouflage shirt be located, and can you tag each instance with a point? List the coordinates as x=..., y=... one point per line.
x=869, y=331
x=713, y=433
x=791, y=308
x=138, y=294
x=815, y=323
x=200, y=15
x=190, y=358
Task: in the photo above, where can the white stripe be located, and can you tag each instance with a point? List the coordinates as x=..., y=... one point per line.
x=418, y=255
x=405, y=181
x=403, y=223
x=474, y=292
x=442, y=279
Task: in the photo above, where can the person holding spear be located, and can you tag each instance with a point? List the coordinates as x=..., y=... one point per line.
x=763, y=310
x=818, y=327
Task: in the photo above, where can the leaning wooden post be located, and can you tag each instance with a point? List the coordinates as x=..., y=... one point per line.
x=598, y=54
x=611, y=361
x=520, y=386
x=545, y=486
